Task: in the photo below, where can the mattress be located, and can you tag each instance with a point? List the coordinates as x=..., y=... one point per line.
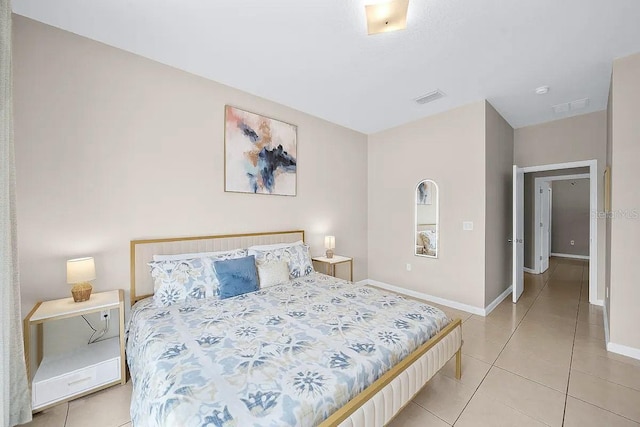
x=287, y=355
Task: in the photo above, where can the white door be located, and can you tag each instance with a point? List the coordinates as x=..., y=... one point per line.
x=544, y=192
x=518, y=232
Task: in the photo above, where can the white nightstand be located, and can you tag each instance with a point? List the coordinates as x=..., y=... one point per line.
x=80, y=371
x=330, y=264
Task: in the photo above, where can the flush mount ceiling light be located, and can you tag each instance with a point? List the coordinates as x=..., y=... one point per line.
x=542, y=90
x=387, y=17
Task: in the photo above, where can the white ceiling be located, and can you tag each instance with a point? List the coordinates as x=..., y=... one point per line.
x=315, y=56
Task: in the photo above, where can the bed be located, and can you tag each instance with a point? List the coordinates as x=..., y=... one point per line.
x=426, y=239
x=315, y=350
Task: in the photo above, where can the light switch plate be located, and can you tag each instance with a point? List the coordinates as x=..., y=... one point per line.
x=467, y=225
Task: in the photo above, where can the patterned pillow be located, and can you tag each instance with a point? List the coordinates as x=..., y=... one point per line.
x=429, y=239
x=296, y=255
x=273, y=273
x=180, y=280
x=187, y=279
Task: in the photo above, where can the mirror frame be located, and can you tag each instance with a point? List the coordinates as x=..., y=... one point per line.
x=415, y=218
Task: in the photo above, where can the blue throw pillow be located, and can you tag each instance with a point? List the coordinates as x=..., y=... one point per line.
x=236, y=276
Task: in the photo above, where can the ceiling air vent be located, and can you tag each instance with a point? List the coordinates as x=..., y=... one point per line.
x=578, y=104
x=429, y=97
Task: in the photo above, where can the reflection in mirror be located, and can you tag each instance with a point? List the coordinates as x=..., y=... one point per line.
x=426, y=221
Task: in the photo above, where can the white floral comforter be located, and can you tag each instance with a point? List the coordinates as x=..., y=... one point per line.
x=288, y=355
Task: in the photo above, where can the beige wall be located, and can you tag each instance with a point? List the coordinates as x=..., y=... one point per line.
x=568, y=140
x=499, y=206
x=401, y=157
x=112, y=147
x=570, y=217
x=625, y=197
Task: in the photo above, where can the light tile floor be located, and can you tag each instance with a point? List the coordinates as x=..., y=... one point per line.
x=540, y=362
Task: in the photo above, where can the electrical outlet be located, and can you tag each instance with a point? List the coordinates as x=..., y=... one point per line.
x=573, y=243
x=408, y=267
x=105, y=314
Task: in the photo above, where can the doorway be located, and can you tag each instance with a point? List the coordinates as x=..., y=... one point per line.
x=543, y=208
x=518, y=240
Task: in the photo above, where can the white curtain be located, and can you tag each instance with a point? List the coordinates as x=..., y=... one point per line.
x=15, y=404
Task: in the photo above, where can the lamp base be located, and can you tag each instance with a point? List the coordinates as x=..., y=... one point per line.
x=329, y=253
x=81, y=291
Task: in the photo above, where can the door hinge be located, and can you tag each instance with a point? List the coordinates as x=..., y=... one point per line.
x=540, y=190
x=541, y=225
x=540, y=257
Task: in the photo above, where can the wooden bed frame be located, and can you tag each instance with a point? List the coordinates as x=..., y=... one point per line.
x=378, y=403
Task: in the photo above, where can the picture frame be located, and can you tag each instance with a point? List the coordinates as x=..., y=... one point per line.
x=260, y=154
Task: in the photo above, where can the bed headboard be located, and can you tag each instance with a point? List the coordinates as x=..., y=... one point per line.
x=142, y=252
x=425, y=227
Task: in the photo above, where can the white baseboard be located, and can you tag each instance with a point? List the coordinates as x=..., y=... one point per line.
x=570, y=256
x=617, y=348
x=624, y=350
x=453, y=304
x=529, y=270
x=606, y=324
x=449, y=303
x=498, y=300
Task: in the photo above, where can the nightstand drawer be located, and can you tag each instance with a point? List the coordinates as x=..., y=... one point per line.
x=51, y=390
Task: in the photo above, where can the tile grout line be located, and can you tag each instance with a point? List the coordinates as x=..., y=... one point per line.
x=573, y=346
x=505, y=345
x=605, y=409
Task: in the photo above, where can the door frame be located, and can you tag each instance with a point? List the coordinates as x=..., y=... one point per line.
x=538, y=219
x=593, y=224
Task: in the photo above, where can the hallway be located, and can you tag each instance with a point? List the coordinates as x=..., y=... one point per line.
x=539, y=362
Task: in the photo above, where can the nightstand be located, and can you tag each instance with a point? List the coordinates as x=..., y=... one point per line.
x=80, y=370
x=330, y=264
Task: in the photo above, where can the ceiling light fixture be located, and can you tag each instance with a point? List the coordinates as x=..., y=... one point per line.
x=387, y=17
x=542, y=90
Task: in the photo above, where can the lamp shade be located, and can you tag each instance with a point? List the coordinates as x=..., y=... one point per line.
x=81, y=270
x=330, y=242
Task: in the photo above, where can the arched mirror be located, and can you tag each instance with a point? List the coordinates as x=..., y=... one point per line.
x=426, y=221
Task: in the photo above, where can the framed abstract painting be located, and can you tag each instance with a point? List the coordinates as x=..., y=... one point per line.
x=424, y=193
x=260, y=154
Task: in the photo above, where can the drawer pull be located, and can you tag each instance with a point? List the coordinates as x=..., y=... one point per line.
x=79, y=381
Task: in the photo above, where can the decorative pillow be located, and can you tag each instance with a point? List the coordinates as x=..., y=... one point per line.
x=235, y=253
x=236, y=276
x=273, y=273
x=183, y=279
x=428, y=239
x=296, y=255
x=178, y=281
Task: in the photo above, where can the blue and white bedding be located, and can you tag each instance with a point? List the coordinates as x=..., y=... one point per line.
x=287, y=355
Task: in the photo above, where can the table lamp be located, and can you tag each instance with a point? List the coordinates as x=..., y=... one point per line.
x=80, y=272
x=330, y=244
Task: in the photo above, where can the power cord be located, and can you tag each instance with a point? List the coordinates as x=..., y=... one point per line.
x=102, y=332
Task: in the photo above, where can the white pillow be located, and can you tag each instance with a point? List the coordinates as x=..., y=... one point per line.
x=234, y=253
x=274, y=246
x=295, y=254
x=273, y=273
